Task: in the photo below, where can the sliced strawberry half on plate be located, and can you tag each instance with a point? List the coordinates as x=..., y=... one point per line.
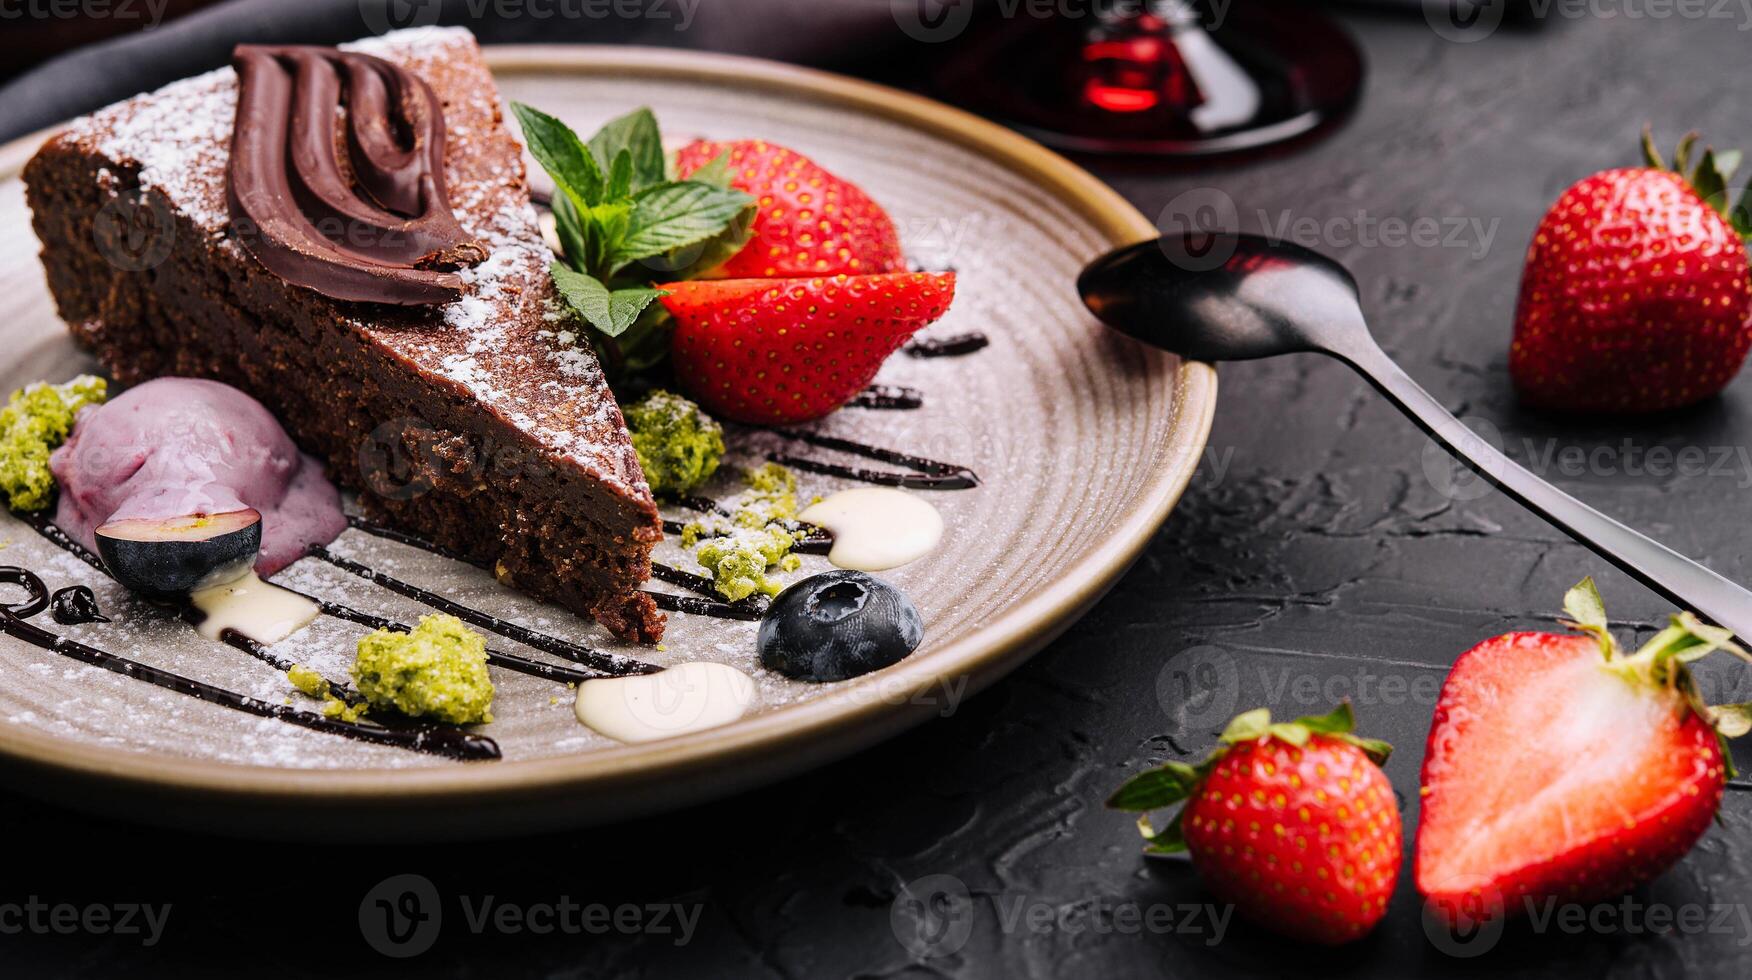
x=777, y=351
x=809, y=222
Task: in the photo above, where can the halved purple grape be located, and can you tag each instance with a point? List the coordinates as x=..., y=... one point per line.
x=168, y=558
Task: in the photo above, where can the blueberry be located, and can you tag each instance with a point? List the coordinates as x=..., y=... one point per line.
x=170, y=557
x=837, y=625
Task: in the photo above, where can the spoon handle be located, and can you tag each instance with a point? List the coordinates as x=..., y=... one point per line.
x=1682, y=581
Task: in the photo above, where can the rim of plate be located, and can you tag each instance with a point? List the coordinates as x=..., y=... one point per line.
x=743, y=754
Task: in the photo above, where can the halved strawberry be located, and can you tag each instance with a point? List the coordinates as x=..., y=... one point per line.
x=1294, y=823
x=809, y=222
x=777, y=351
x=1559, y=768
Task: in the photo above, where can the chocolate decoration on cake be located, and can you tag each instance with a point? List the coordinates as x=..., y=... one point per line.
x=376, y=227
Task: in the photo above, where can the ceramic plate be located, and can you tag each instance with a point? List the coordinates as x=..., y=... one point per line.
x=1083, y=441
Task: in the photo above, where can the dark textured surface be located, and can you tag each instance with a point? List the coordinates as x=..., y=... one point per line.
x=1312, y=551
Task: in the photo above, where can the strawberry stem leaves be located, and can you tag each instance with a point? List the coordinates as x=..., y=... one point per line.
x=1682, y=154
x=1711, y=177
x=620, y=218
x=1587, y=612
x=1156, y=788
x=1731, y=720
x=1661, y=662
x=1651, y=156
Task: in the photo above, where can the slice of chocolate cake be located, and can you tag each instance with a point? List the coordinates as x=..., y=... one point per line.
x=425, y=359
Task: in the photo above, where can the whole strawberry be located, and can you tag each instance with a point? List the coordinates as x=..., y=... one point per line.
x=1294, y=823
x=1637, y=294
x=778, y=351
x=1559, y=769
x=808, y=223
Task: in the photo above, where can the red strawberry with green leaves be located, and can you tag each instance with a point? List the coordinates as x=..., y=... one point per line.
x=1559, y=768
x=1294, y=823
x=808, y=222
x=777, y=351
x=1637, y=292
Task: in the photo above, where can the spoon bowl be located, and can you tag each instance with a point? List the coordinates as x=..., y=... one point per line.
x=1225, y=297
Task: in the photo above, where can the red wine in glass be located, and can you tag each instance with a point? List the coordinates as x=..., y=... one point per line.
x=1175, y=78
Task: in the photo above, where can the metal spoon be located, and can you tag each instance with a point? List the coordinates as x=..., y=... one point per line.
x=1228, y=297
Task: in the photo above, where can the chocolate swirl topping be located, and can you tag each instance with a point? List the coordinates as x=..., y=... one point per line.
x=375, y=226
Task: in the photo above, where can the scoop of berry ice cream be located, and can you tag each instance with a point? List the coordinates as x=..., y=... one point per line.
x=176, y=447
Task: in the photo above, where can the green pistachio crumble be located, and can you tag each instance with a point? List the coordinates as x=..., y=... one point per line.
x=307, y=680
x=757, y=536
x=314, y=684
x=36, y=419
x=437, y=671
x=679, y=446
x=333, y=707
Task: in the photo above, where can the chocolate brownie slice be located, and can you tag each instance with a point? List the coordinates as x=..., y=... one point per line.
x=481, y=424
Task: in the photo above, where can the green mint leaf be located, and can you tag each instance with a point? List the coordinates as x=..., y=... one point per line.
x=674, y=216
x=646, y=345
x=610, y=312
x=635, y=133
x=715, y=171
x=620, y=177
x=606, y=228
x=559, y=151
x=689, y=261
x=574, y=238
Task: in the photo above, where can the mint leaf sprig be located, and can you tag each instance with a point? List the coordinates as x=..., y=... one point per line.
x=623, y=220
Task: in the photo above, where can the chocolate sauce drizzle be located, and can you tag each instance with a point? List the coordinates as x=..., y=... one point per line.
x=498, y=658
x=928, y=474
x=888, y=396
x=522, y=665
x=707, y=602
x=75, y=605
x=435, y=740
x=956, y=346
x=665, y=600
x=378, y=228
x=607, y=663
x=39, y=522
